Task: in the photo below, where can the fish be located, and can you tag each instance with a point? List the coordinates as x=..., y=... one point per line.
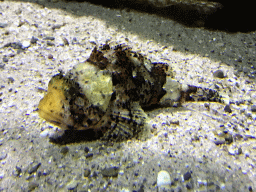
x=111, y=91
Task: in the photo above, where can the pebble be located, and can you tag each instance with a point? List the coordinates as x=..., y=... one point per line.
x=33, y=40
x=65, y=41
x=17, y=171
x=218, y=73
x=44, y=133
x=110, y=172
x=227, y=109
x=32, y=186
x=86, y=149
x=10, y=80
x=15, y=45
x=5, y=59
x=2, y=175
x=253, y=108
x=64, y=150
x=187, y=176
x=3, y=25
x=2, y=66
x=49, y=38
x=219, y=141
x=87, y=172
x=50, y=56
x=3, y=155
x=50, y=43
x=163, y=178
x=89, y=155
x=72, y=185
x=25, y=44
x=34, y=168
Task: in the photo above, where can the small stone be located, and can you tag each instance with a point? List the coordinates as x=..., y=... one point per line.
x=15, y=45
x=227, y=109
x=17, y=171
x=239, y=151
x=87, y=172
x=189, y=186
x=65, y=41
x=50, y=56
x=72, y=185
x=64, y=150
x=92, y=40
x=3, y=25
x=89, y=155
x=32, y=186
x=246, y=70
x=3, y=155
x=57, y=26
x=110, y=172
x=10, y=80
x=34, y=168
x=2, y=175
x=25, y=44
x=5, y=59
x=218, y=73
x=253, y=108
x=86, y=149
x=229, y=139
x=187, y=176
x=49, y=38
x=33, y=40
x=163, y=178
x=219, y=141
x=50, y=43
x=44, y=133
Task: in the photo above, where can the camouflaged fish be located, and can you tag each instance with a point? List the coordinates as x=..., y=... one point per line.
x=110, y=91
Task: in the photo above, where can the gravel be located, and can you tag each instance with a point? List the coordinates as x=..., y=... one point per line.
x=202, y=146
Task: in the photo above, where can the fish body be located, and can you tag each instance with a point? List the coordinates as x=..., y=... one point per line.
x=109, y=92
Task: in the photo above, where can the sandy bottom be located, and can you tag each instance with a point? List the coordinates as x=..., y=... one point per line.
x=201, y=146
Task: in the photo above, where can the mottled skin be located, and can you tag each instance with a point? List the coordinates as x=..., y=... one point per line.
x=131, y=83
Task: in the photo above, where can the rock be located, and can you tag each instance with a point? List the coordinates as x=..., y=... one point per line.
x=187, y=176
x=44, y=133
x=3, y=25
x=25, y=44
x=49, y=38
x=50, y=56
x=32, y=186
x=110, y=172
x=219, y=141
x=86, y=149
x=163, y=179
x=34, y=168
x=87, y=172
x=33, y=40
x=227, y=109
x=3, y=155
x=64, y=150
x=1, y=175
x=10, y=80
x=5, y=59
x=72, y=185
x=253, y=108
x=17, y=171
x=218, y=73
x=89, y=155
